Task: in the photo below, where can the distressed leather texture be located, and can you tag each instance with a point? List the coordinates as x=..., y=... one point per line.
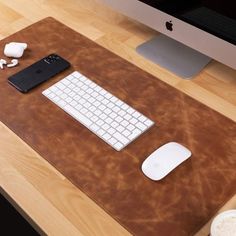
x=182, y=202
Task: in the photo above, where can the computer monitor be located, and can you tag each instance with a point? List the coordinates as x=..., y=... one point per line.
x=192, y=31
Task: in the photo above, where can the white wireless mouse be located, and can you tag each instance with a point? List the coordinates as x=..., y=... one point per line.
x=166, y=158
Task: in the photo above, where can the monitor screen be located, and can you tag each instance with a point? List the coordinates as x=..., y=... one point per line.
x=218, y=17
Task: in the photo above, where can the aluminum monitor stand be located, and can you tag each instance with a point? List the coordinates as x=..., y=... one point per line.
x=174, y=56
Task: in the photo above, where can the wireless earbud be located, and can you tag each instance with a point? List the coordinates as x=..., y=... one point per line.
x=14, y=62
x=2, y=62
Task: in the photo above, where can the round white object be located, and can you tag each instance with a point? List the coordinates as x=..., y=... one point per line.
x=14, y=49
x=224, y=224
x=14, y=62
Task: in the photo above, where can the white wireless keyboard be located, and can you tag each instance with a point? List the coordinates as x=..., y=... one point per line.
x=107, y=116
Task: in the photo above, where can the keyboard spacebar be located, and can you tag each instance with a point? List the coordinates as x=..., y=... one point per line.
x=77, y=115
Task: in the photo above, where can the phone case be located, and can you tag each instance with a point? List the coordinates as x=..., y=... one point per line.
x=38, y=72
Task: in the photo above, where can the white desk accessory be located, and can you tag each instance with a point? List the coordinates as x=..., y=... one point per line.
x=105, y=115
x=2, y=63
x=224, y=224
x=166, y=158
x=14, y=49
x=14, y=62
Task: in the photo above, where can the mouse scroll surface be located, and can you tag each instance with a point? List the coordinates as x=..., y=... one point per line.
x=166, y=158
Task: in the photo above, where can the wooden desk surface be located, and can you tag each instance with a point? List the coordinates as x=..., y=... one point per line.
x=39, y=190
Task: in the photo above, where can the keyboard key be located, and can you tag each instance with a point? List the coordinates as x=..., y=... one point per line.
x=87, y=105
x=94, y=127
x=94, y=118
x=94, y=94
x=56, y=99
x=121, y=137
x=100, y=122
x=61, y=86
x=124, y=123
x=76, y=74
x=84, y=87
x=91, y=100
x=61, y=103
x=113, y=99
x=141, y=126
x=130, y=127
x=82, y=78
x=67, y=90
x=99, y=98
x=103, y=116
x=92, y=108
x=46, y=92
x=65, y=82
x=113, y=115
x=71, y=86
x=134, y=134
x=107, y=111
x=81, y=92
x=105, y=127
x=148, y=122
x=142, y=118
x=51, y=95
x=92, y=85
x=120, y=128
x=86, y=96
x=97, y=112
x=106, y=136
x=89, y=114
x=97, y=88
x=111, y=131
x=115, y=109
x=118, y=146
x=102, y=107
x=82, y=101
x=78, y=107
x=114, y=124
x=108, y=96
x=110, y=105
x=108, y=120
x=125, y=106
x=89, y=91
x=126, y=133
x=54, y=89
x=101, y=132
x=136, y=114
x=76, y=89
x=105, y=101
x=77, y=115
x=127, y=117
x=72, y=94
x=130, y=110
x=83, y=110
x=73, y=103
x=97, y=104
x=118, y=119
x=119, y=103
x=112, y=141
x=133, y=121
x=121, y=112
x=58, y=93
x=68, y=99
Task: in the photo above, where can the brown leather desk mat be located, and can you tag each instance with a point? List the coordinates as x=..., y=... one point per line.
x=179, y=204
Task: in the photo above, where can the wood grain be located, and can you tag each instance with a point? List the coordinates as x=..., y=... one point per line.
x=57, y=206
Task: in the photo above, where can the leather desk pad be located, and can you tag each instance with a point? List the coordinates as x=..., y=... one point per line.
x=181, y=203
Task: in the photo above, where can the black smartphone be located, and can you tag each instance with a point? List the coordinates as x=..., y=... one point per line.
x=38, y=72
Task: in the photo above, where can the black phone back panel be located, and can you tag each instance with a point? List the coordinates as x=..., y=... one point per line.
x=38, y=72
